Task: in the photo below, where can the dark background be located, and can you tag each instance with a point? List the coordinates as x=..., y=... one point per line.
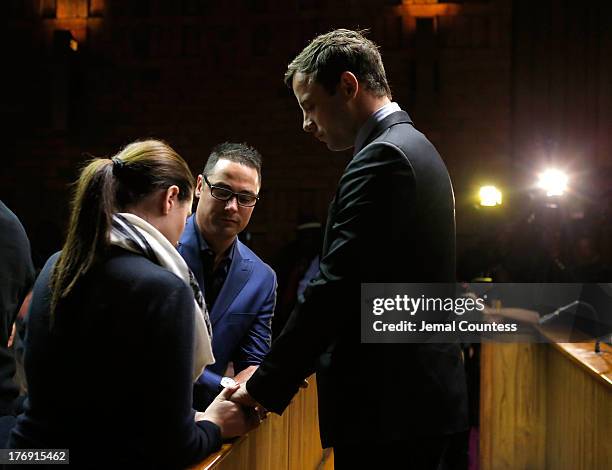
x=502, y=88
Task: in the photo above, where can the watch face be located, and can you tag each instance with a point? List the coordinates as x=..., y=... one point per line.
x=227, y=382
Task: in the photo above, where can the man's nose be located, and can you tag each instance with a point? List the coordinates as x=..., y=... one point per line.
x=308, y=125
x=231, y=204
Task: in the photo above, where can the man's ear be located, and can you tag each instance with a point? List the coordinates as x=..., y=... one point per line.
x=170, y=198
x=198, y=188
x=349, y=85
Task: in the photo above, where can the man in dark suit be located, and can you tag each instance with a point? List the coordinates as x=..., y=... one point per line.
x=239, y=288
x=392, y=220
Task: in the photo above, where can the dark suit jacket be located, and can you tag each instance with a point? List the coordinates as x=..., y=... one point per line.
x=392, y=220
x=112, y=380
x=241, y=316
x=16, y=280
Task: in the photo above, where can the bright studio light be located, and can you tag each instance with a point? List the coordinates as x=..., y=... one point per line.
x=553, y=181
x=490, y=196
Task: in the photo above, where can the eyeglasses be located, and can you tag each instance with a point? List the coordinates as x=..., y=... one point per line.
x=224, y=194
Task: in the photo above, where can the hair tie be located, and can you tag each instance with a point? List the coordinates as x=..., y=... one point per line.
x=118, y=165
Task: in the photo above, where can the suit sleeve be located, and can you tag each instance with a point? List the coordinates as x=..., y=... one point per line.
x=210, y=380
x=174, y=430
x=374, y=187
x=16, y=280
x=256, y=343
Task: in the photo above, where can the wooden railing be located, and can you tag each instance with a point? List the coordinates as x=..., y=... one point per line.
x=290, y=441
x=545, y=406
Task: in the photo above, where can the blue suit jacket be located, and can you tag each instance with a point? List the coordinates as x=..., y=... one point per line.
x=241, y=316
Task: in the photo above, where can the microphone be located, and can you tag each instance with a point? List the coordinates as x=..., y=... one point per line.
x=549, y=316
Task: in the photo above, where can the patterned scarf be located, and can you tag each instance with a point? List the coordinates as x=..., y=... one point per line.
x=135, y=234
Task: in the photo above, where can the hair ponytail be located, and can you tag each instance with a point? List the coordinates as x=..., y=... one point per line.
x=87, y=236
x=106, y=186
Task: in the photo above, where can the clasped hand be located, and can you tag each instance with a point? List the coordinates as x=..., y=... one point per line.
x=233, y=419
x=242, y=397
x=234, y=410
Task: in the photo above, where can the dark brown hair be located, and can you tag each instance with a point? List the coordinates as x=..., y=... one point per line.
x=106, y=186
x=341, y=50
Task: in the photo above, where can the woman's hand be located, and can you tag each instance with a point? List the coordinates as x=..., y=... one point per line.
x=232, y=419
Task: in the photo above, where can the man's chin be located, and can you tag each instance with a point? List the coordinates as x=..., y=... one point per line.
x=230, y=231
x=227, y=230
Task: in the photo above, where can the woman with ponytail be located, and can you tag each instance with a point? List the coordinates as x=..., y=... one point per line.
x=117, y=328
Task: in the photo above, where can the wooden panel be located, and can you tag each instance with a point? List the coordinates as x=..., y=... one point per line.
x=290, y=441
x=512, y=410
x=545, y=406
x=304, y=441
x=209, y=462
x=268, y=446
x=584, y=356
x=579, y=417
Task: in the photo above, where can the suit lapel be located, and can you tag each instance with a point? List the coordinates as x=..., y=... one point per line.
x=237, y=277
x=331, y=215
x=392, y=119
x=189, y=248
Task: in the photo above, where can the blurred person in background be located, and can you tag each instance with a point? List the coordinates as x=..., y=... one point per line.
x=16, y=280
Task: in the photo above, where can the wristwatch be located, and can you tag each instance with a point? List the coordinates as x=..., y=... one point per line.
x=227, y=382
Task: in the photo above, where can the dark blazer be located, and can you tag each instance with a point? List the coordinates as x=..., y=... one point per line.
x=392, y=220
x=241, y=316
x=16, y=280
x=112, y=380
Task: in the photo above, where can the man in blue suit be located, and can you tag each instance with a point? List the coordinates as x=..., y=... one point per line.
x=239, y=288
